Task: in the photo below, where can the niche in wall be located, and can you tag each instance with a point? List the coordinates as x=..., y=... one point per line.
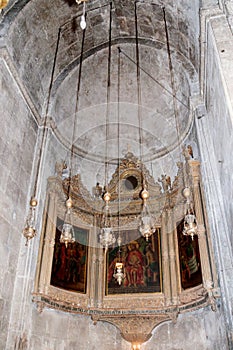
x=168, y=274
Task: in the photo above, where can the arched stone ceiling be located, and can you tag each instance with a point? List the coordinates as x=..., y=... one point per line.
x=31, y=29
x=158, y=118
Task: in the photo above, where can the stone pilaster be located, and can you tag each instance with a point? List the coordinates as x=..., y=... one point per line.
x=49, y=241
x=204, y=255
x=92, y=252
x=172, y=257
x=165, y=261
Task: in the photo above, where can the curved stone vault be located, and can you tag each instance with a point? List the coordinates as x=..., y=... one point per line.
x=166, y=112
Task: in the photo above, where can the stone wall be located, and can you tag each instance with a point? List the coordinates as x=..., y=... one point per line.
x=215, y=139
x=17, y=141
x=199, y=330
x=52, y=330
x=219, y=103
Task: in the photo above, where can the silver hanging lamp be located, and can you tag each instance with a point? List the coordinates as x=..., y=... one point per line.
x=83, y=23
x=147, y=222
x=190, y=222
x=147, y=225
x=67, y=233
x=119, y=272
x=29, y=230
x=106, y=236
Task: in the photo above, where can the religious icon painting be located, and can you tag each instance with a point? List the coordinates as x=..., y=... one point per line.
x=141, y=264
x=189, y=256
x=69, y=268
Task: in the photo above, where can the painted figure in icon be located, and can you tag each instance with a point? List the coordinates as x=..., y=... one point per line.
x=141, y=263
x=152, y=267
x=190, y=266
x=70, y=263
x=134, y=266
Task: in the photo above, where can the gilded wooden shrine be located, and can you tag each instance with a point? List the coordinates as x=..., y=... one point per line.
x=164, y=276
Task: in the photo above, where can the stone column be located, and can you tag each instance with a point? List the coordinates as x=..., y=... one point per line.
x=102, y=277
x=202, y=238
x=165, y=260
x=99, y=277
x=172, y=257
x=93, y=266
x=177, y=259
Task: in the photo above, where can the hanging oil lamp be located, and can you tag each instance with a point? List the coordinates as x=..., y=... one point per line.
x=106, y=236
x=190, y=221
x=67, y=233
x=147, y=222
x=119, y=273
x=29, y=230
